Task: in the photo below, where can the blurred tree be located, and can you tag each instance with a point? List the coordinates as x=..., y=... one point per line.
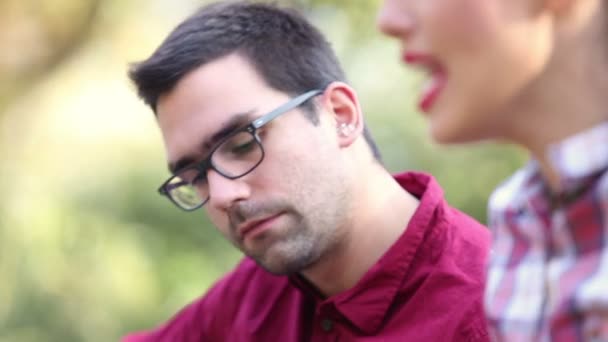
x=36, y=37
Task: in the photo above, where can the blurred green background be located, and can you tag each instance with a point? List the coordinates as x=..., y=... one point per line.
x=88, y=250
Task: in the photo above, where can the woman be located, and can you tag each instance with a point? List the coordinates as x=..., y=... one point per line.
x=534, y=73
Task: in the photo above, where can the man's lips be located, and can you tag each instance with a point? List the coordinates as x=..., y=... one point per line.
x=252, y=227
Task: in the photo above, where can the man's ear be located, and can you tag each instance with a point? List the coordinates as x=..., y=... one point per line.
x=340, y=100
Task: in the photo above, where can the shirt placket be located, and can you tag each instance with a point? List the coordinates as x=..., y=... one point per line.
x=326, y=324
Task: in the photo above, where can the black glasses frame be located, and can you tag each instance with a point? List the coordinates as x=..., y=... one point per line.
x=251, y=128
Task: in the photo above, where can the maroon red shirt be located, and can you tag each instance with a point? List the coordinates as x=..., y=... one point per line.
x=427, y=287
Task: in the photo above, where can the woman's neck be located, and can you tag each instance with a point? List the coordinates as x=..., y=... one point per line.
x=571, y=96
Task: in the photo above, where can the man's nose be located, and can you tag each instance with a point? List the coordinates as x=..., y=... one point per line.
x=224, y=192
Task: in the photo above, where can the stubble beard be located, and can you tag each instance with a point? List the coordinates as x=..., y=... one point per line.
x=295, y=250
x=285, y=249
x=303, y=238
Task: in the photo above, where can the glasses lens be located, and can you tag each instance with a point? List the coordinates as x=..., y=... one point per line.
x=238, y=155
x=188, y=188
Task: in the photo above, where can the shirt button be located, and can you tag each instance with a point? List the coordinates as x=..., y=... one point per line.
x=327, y=324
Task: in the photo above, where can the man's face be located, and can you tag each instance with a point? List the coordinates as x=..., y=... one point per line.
x=291, y=210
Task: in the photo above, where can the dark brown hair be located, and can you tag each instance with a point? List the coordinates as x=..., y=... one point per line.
x=289, y=53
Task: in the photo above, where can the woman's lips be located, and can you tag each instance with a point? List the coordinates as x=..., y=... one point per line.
x=431, y=90
x=437, y=78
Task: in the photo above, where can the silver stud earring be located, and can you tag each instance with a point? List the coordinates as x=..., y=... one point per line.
x=346, y=129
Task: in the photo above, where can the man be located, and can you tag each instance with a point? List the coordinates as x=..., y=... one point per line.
x=262, y=131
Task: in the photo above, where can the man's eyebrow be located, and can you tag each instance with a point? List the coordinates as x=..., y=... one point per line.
x=236, y=121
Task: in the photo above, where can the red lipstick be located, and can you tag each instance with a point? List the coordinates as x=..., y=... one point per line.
x=434, y=85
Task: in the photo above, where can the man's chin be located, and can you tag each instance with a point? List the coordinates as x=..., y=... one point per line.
x=279, y=264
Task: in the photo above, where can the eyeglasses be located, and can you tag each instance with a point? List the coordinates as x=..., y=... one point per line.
x=233, y=157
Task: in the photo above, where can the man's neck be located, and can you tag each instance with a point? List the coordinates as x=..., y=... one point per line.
x=378, y=219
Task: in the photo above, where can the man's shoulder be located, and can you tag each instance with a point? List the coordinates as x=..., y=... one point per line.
x=247, y=281
x=435, y=214
x=214, y=314
x=466, y=225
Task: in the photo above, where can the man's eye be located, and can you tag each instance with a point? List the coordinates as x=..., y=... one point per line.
x=243, y=148
x=237, y=146
x=186, y=177
x=199, y=179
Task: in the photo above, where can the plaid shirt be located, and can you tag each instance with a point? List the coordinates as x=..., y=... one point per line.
x=548, y=273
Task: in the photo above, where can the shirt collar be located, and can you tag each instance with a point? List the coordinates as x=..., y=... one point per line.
x=581, y=155
x=367, y=303
x=578, y=160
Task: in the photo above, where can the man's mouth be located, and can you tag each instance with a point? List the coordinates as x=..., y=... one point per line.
x=254, y=227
